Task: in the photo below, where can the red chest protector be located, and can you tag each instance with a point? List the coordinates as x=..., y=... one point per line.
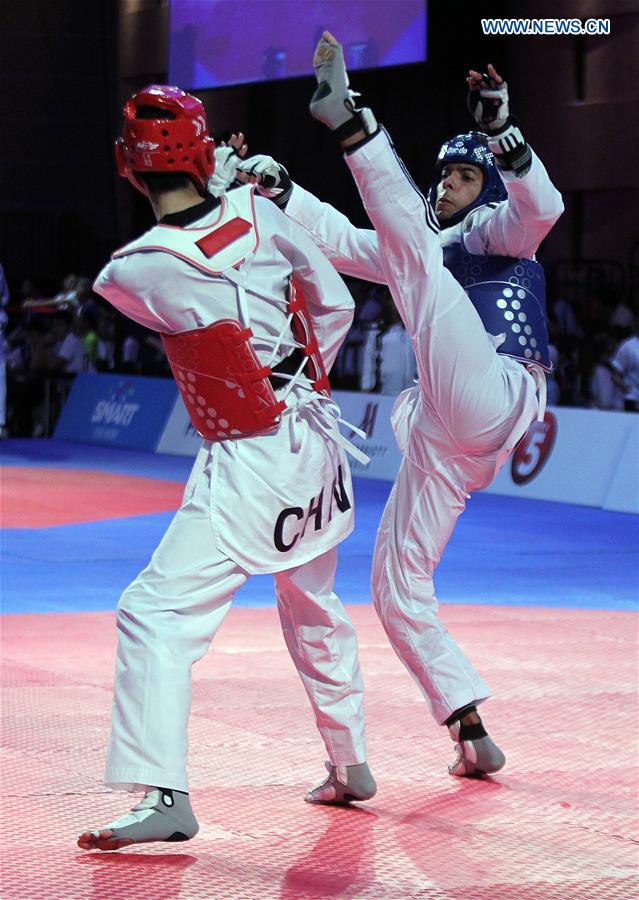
x=226, y=391
x=225, y=388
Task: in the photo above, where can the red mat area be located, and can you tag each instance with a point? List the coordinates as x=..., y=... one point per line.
x=38, y=498
x=557, y=823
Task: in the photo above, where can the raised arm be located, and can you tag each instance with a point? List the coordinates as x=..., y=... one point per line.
x=328, y=300
x=517, y=226
x=352, y=251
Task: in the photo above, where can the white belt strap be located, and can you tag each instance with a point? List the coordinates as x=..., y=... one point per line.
x=325, y=415
x=539, y=377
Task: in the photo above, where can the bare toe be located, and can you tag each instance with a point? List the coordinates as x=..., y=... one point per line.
x=102, y=840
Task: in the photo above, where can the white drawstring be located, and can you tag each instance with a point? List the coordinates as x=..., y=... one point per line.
x=240, y=282
x=280, y=338
x=325, y=415
x=329, y=420
x=352, y=427
x=294, y=379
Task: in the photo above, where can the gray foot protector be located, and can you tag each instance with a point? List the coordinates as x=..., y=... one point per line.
x=163, y=815
x=344, y=785
x=475, y=758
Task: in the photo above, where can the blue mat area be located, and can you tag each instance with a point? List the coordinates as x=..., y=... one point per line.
x=67, y=455
x=504, y=550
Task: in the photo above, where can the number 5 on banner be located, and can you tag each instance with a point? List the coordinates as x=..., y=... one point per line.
x=533, y=452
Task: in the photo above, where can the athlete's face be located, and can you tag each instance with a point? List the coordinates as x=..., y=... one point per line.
x=460, y=184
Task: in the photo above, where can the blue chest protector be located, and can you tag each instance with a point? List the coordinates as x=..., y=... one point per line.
x=510, y=297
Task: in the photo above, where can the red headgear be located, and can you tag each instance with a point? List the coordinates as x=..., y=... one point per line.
x=180, y=144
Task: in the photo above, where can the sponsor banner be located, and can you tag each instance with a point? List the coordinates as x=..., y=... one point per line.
x=371, y=413
x=584, y=456
x=623, y=492
x=179, y=438
x=117, y=410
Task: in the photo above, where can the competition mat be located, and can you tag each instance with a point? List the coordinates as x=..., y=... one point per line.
x=541, y=595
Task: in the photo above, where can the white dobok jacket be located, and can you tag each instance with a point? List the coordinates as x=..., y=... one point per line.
x=289, y=481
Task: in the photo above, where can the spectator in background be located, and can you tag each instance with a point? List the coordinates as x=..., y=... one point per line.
x=370, y=317
x=605, y=387
x=130, y=354
x=626, y=363
x=563, y=319
x=397, y=368
x=369, y=356
x=143, y=353
x=106, y=327
x=26, y=372
x=85, y=328
x=62, y=357
x=345, y=374
x=566, y=372
x=18, y=314
x=66, y=349
x=372, y=310
x=83, y=292
x=553, y=391
x=622, y=319
x=29, y=293
x=355, y=368
x=67, y=298
x=4, y=302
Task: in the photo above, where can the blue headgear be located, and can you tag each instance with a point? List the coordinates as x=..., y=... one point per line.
x=469, y=148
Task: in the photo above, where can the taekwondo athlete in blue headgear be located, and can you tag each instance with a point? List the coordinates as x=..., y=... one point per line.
x=508, y=292
x=471, y=407
x=493, y=202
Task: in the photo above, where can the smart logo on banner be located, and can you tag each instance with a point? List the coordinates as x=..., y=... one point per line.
x=116, y=410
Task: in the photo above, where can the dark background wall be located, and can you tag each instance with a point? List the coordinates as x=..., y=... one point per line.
x=66, y=68
x=56, y=77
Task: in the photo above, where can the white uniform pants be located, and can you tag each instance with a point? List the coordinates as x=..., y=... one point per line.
x=456, y=428
x=166, y=620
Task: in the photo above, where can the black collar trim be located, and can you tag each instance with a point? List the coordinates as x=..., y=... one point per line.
x=192, y=214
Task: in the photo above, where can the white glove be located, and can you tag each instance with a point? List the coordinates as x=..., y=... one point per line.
x=226, y=164
x=271, y=179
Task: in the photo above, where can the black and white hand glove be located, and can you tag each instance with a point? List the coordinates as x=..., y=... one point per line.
x=270, y=178
x=226, y=165
x=488, y=103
